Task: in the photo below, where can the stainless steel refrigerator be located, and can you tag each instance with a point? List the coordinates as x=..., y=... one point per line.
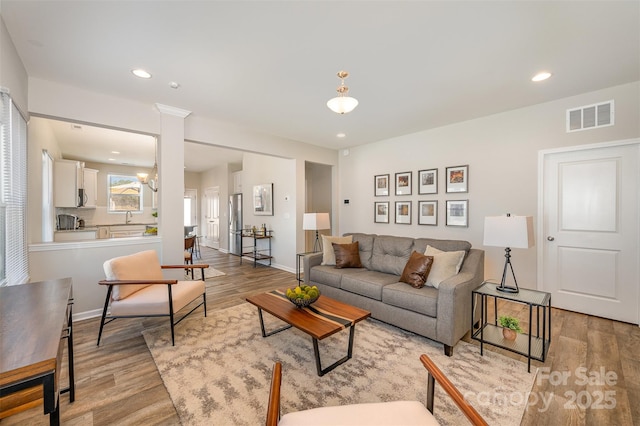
x=235, y=224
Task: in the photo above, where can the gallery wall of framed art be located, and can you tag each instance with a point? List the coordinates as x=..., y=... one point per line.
x=455, y=211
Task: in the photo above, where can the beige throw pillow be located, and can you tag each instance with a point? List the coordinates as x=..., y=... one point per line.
x=445, y=265
x=328, y=255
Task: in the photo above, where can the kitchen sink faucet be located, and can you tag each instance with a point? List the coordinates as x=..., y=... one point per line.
x=128, y=217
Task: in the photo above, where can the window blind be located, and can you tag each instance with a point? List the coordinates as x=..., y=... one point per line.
x=13, y=194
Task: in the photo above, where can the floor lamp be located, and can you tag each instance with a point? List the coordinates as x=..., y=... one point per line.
x=509, y=232
x=316, y=222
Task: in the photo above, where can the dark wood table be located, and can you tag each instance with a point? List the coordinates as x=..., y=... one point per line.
x=35, y=320
x=320, y=320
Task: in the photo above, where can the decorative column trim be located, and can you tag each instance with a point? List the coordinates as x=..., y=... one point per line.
x=179, y=112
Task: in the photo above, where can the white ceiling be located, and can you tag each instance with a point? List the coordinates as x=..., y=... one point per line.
x=84, y=142
x=270, y=65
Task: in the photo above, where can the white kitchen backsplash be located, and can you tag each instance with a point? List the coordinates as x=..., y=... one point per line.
x=100, y=216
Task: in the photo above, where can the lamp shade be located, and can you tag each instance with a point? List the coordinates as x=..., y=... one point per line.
x=316, y=221
x=342, y=104
x=508, y=231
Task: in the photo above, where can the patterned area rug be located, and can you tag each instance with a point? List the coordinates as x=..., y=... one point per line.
x=208, y=273
x=219, y=372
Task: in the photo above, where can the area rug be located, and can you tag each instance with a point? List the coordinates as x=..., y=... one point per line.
x=208, y=273
x=219, y=371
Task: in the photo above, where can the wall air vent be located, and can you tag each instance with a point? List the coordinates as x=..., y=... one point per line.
x=590, y=116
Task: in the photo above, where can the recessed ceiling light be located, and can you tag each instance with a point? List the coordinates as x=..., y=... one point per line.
x=139, y=72
x=112, y=159
x=174, y=85
x=541, y=76
x=115, y=152
x=341, y=135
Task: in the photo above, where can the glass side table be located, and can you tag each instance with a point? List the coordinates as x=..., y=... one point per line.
x=533, y=347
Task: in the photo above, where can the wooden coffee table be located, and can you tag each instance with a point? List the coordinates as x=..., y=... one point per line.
x=322, y=319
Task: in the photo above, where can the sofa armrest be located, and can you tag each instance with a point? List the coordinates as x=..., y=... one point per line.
x=454, y=299
x=309, y=261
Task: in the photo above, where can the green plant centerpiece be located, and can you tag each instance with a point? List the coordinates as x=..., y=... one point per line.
x=510, y=327
x=303, y=295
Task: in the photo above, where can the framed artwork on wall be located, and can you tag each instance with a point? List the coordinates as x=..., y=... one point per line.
x=263, y=199
x=428, y=181
x=403, y=183
x=427, y=212
x=458, y=213
x=381, y=212
x=403, y=212
x=381, y=185
x=457, y=179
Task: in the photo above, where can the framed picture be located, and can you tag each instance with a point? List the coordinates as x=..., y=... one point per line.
x=427, y=212
x=263, y=199
x=403, y=212
x=428, y=181
x=458, y=179
x=458, y=213
x=403, y=183
x=381, y=212
x=381, y=185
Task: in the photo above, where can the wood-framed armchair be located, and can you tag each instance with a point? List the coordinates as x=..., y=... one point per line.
x=371, y=414
x=137, y=288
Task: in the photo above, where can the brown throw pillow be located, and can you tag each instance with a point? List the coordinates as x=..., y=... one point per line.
x=417, y=270
x=347, y=255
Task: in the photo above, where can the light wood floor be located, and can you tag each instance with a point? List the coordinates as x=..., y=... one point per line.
x=118, y=383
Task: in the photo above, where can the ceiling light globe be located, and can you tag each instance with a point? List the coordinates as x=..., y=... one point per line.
x=342, y=104
x=541, y=76
x=138, y=72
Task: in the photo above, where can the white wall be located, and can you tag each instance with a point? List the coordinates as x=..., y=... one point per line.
x=502, y=153
x=261, y=169
x=83, y=263
x=13, y=75
x=218, y=176
x=40, y=137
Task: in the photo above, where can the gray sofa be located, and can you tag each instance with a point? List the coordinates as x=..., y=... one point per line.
x=442, y=314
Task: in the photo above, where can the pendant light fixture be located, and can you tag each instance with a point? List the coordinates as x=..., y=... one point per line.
x=151, y=182
x=343, y=103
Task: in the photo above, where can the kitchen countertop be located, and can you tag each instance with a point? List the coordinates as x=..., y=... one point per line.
x=127, y=224
x=95, y=227
x=89, y=228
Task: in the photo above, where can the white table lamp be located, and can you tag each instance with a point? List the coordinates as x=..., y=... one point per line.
x=508, y=232
x=316, y=222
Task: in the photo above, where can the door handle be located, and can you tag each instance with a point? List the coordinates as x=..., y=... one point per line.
x=550, y=238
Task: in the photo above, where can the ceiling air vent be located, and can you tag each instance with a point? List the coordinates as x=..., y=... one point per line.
x=590, y=116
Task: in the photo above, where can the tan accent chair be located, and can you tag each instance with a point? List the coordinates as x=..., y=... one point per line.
x=405, y=413
x=138, y=289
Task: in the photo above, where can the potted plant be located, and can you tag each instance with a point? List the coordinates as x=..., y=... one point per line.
x=510, y=327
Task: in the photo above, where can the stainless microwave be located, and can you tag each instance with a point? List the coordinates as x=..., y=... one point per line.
x=67, y=222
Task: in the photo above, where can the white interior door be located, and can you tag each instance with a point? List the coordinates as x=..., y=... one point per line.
x=212, y=217
x=590, y=247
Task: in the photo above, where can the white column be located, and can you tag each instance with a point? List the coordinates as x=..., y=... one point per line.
x=171, y=186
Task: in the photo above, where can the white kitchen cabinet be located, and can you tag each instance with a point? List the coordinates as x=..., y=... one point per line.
x=126, y=231
x=74, y=236
x=90, y=185
x=70, y=176
x=65, y=183
x=237, y=182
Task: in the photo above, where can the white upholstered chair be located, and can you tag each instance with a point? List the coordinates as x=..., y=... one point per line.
x=137, y=288
x=406, y=413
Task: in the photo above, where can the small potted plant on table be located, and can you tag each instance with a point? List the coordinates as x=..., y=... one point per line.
x=510, y=327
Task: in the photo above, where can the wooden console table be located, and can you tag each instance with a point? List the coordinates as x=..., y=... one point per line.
x=35, y=320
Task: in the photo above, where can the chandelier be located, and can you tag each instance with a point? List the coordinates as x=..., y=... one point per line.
x=343, y=103
x=151, y=181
